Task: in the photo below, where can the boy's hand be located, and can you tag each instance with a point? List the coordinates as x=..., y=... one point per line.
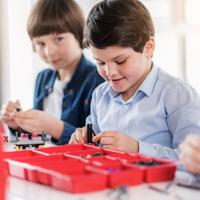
x=117, y=140
x=79, y=136
x=7, y=111
x=38, y=121
x=190, y=153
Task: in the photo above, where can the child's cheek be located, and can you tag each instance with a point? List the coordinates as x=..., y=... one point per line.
x=102, y=73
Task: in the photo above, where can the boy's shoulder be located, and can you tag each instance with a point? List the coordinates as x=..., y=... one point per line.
x=46, y=72
x=167, y=78
x=169, y=82
x=45, y=76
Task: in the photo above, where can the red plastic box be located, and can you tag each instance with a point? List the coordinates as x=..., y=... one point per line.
x=82, y=181
x=2, y=166
x=165, y=171
x=66, y=148
x=86, y=168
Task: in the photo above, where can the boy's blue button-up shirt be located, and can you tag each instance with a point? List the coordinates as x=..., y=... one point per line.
x=76, y=99
x=159, y=115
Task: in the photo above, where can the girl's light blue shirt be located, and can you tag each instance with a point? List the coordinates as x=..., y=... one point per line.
x=161, y=113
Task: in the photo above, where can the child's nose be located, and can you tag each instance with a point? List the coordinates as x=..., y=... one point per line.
x=111, y=70
x=49, y=50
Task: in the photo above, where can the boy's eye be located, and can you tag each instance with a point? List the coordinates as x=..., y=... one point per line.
x=119, y=62
x=59, y=39
x=100, y=63
x=39, y=45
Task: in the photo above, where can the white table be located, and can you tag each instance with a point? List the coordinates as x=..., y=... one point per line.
x=23, y=190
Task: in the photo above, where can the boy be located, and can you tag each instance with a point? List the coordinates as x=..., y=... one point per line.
x=140, y=108
x=63, y=92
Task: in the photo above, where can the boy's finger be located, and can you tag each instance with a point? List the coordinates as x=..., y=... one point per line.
x=23, y=114
x=97, y=137
x=84, y=134
x=108, y=146
x=5, y=119
x=107, y=140
x=73, y=139
x=78, y=135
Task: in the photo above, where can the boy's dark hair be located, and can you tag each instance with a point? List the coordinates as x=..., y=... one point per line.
x=56, y=16
x=118, y=22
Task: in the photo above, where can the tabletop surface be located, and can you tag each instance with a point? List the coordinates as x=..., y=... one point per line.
x=23, y=190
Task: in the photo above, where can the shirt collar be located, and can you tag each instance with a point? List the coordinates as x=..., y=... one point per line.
x=49, y=86
x=149, y=83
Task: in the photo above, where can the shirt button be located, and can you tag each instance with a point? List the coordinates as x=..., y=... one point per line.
x=126, y=107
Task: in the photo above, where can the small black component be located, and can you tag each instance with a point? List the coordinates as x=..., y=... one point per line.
x=96, y=154
x=148, y=163
x=89, y=133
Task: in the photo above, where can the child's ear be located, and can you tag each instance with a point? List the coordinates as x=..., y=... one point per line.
x=149, y=47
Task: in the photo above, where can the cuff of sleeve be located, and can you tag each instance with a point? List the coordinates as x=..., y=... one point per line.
x=66, y=135
x=147, y=149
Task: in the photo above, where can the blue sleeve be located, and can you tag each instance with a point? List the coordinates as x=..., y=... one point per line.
x=67, y=132
x=182, y=104
x=159, y=151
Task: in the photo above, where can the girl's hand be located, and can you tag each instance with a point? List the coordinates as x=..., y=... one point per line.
x=117, y=140
x=7, y=111
x=190, y=153
x=79, y=136
x=38, y=121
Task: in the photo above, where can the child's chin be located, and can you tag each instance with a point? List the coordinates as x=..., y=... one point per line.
x=56, y=68
x=118, y=90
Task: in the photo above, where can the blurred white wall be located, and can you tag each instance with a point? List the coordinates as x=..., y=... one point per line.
x=20, y=53
x=4, y=58
x=16, y=54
